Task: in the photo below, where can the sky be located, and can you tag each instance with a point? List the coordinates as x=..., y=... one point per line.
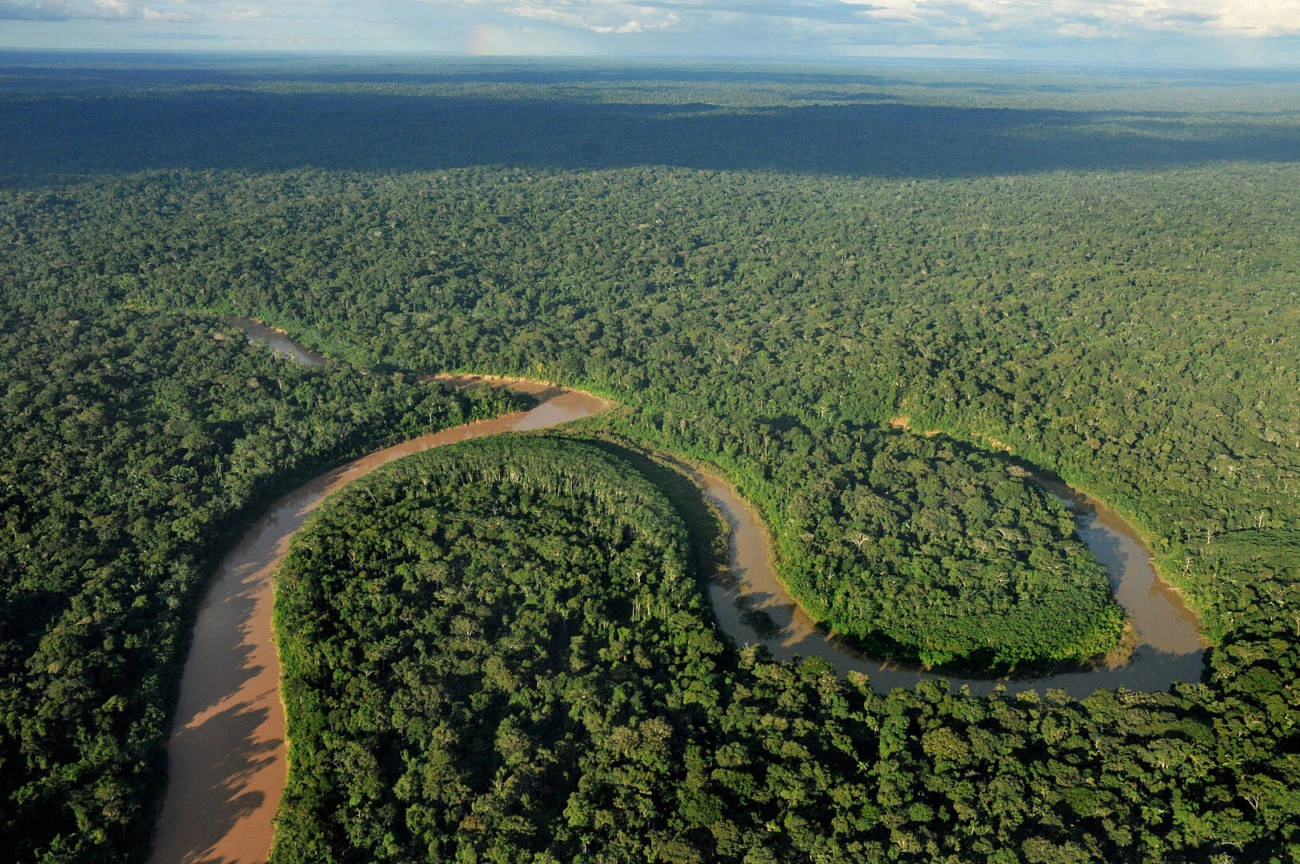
x=1092, y=32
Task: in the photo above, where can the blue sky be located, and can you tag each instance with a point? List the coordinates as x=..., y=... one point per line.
x=1186, y=32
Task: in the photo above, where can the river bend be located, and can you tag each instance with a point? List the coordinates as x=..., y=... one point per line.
x=227, y=754
x=1169, y=649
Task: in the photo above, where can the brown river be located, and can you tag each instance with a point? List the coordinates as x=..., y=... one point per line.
x=1169, y=649
x=227, y=753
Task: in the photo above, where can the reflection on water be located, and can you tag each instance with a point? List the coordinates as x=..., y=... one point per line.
x=277, y=341
x=1170, y=648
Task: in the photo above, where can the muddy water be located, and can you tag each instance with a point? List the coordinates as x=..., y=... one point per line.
x=226, y=756
x=1162, y=620
x=1170, y=648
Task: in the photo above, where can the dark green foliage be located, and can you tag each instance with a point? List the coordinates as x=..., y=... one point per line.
x=1100, y=275
x=929, y=550
x=493, y=653
x=136, y=447
x=507, y=632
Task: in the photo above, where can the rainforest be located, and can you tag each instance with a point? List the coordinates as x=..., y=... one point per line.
x=896, y=309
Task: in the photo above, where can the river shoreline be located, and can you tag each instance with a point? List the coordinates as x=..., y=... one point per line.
x=1162, y=642
x=228, y=755
x=1168, y=649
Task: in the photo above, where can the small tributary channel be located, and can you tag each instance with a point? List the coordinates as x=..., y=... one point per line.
x=277, y=340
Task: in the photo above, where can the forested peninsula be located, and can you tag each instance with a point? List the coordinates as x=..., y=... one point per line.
x=880, y=301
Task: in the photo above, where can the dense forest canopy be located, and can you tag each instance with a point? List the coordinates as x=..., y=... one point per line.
x=136, y=446
x=514, y=603
x=387, y=115
x=506, y=632
x=954, y=555
x=767, y=266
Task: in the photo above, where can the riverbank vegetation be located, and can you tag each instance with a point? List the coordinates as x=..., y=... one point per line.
x=766, y=267
x=924, y=549
x=137, y=446
x=951, y=554
x=495, y=652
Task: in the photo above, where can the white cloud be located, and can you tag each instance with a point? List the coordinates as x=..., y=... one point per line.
x=243, y=14
x=1079, y=30
x=1091, y=19
x=1116, y=30
x=597, y=16
x=964, y=20
x=1256, y=18
x=181, y=11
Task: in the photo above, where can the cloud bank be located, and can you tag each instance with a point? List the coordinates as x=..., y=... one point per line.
x=972, y=19
x=178, y=11
x=1192, y=31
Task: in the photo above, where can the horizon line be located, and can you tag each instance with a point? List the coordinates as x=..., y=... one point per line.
x=662, y=59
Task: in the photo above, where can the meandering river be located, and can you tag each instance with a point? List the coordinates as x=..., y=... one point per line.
x=227, y=755
x=1169, y=646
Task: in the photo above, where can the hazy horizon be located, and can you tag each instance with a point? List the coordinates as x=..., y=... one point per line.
x=1112, y=33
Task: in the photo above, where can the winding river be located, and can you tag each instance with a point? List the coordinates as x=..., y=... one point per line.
x=227, y=756
x=226, y=759
x=1169, y=649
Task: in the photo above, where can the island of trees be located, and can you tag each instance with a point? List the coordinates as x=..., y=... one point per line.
x=1094, y=278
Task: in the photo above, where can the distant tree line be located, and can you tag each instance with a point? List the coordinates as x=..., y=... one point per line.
x=1128, y=325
